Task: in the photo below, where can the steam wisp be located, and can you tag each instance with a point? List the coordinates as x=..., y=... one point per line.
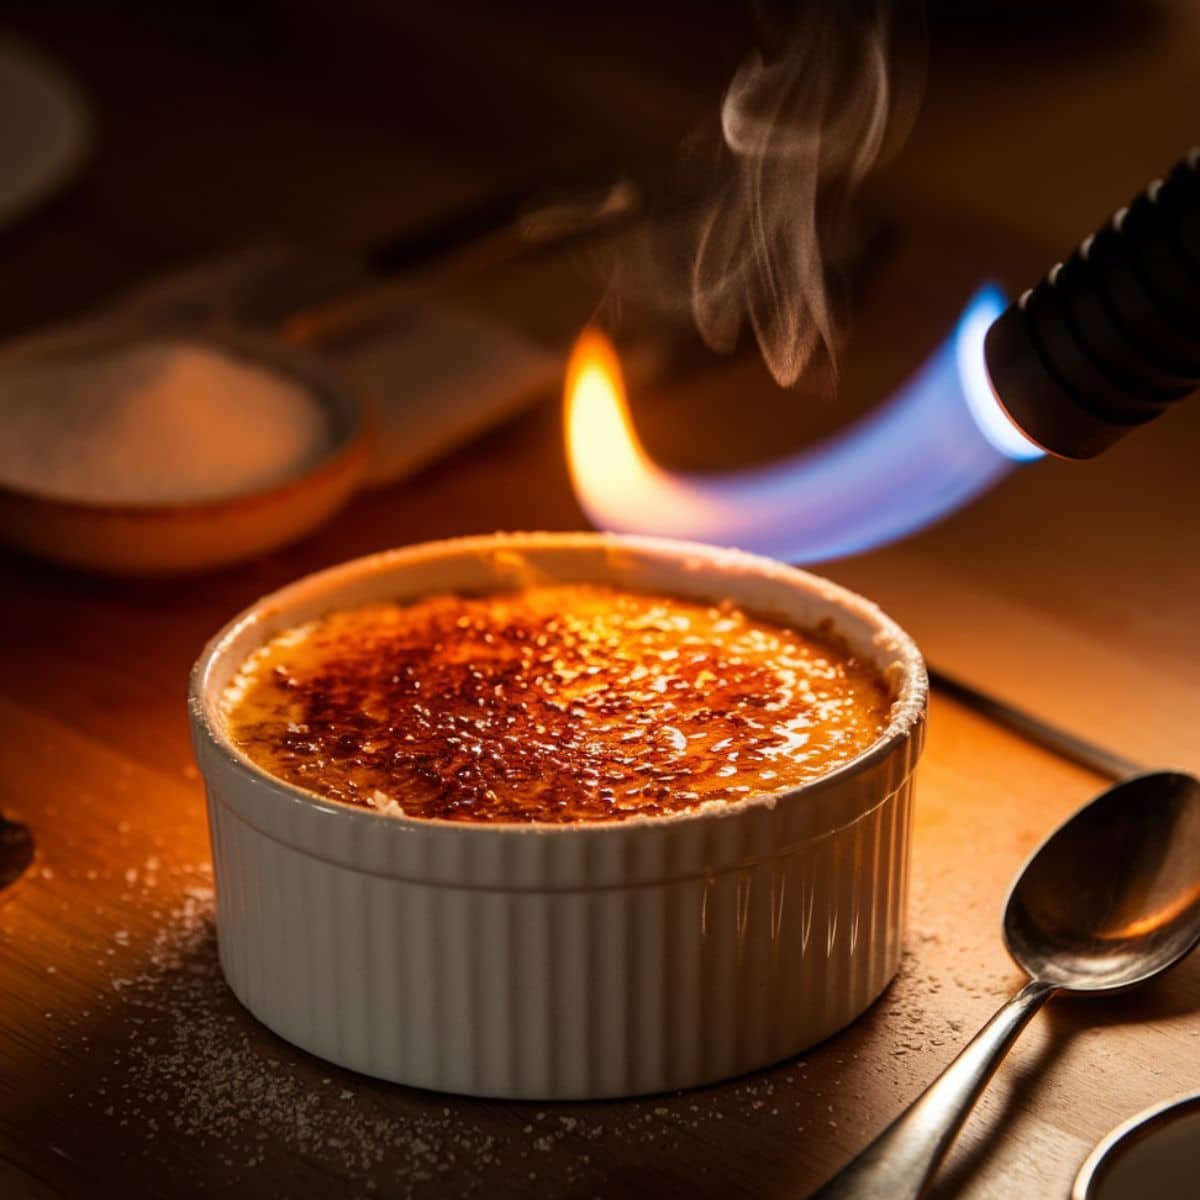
x=801, y=130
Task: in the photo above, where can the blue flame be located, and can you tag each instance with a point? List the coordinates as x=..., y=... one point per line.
x=994, y=423
x=937, y=443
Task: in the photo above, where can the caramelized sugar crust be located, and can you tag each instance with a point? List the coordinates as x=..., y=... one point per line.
x=562, y=704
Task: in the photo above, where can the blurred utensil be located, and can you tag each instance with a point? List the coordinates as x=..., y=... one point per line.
x=533, y=213
x=16, y=851
x=1094, y=757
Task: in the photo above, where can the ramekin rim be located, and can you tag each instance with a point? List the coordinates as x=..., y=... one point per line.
x=908, y=708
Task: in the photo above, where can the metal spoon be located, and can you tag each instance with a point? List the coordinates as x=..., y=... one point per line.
x=1109, y=900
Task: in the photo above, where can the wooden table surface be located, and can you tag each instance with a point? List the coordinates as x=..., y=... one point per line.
x=125, y=1064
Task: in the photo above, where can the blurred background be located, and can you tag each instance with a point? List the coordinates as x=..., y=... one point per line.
x=336, y=125
x=249, y=167
x=192, y=132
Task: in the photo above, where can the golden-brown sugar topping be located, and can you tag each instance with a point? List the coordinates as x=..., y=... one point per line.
x=563, y=704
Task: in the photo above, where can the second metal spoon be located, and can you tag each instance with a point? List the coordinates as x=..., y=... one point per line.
x=1109, y=900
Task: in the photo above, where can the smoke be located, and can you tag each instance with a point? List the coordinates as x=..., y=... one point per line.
x=802, y=123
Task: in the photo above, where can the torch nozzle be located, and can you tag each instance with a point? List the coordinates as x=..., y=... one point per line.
x=1110, y=338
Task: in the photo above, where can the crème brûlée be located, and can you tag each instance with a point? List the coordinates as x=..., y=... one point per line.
x=561, y=703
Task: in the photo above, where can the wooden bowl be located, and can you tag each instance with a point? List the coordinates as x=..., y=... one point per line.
x=165, y=539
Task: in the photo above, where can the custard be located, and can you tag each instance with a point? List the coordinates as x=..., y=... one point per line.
x=570, y=703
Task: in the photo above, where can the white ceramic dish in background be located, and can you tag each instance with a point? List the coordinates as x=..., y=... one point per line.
x=563, y=961
x=45, y=128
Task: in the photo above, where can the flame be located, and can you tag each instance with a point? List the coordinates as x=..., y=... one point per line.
x=617, y=483
x=937, y=443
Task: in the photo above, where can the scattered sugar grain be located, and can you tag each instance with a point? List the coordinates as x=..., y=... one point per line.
x=200, y=1072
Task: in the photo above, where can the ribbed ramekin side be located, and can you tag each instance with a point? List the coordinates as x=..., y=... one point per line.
x=564, y=993
x=778, y=955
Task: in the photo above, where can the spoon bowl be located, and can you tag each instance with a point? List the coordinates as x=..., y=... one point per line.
x=1112, y=897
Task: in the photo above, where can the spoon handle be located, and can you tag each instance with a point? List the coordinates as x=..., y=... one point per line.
x=900, y=1161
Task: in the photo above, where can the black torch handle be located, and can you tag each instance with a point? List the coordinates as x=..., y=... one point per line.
x=1110, y=337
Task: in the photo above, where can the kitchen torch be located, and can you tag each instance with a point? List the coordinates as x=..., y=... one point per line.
x=1110, y=338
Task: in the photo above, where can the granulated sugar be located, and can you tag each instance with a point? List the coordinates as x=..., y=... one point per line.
x=194, y=1065
x=206, y=1075
x=164, y=423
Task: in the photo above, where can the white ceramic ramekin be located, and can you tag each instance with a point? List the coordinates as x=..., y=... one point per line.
x=552, y=961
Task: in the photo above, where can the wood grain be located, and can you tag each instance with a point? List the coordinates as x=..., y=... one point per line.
x=125, y=1058
x=125, y=1064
